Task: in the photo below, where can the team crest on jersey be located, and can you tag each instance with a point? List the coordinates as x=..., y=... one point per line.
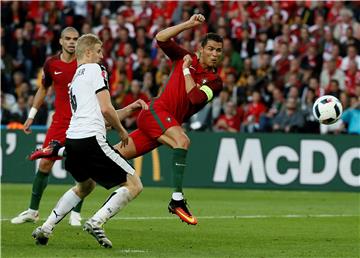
x=168, y=119
x=104, y=75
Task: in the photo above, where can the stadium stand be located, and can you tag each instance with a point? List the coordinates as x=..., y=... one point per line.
x=274, y=52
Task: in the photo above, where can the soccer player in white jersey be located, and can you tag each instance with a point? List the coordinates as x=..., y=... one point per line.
x=90, y=158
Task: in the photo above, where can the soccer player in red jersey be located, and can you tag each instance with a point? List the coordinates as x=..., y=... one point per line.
x=58, y=73
x=192, y=84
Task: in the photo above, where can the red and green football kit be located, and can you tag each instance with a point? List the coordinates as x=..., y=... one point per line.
x=59, y=74
x=174, y=106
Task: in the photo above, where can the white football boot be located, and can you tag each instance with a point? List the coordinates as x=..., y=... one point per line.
x=26, y=216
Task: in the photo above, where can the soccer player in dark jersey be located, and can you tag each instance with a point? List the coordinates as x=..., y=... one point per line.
x=58, y=72
x=192, y=84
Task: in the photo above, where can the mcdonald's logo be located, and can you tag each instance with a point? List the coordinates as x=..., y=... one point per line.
x=155, y=165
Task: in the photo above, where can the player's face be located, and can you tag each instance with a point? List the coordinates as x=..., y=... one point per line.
x=211, y=54
x=95, y=54
x=68, y=41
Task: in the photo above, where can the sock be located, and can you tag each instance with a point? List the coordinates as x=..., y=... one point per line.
x=179, y=165
x=78, y=207
x=116, y=201
x=66, y=203
x=177, y=196
x=39, y=184
x=32, y=211
x=62, y=152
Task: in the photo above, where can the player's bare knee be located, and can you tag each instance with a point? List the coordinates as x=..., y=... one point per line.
x=183, y=142
x=46, y=165
x=134, y=186
x=83, y=189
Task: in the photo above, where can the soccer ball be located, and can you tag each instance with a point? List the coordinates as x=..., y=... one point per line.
x=327, y=109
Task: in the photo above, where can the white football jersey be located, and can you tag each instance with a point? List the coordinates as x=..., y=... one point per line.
x=87, y=119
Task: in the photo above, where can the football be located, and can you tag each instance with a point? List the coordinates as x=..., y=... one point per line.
x=327, y=109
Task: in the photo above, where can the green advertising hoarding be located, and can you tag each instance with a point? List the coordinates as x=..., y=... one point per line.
x=221, y=160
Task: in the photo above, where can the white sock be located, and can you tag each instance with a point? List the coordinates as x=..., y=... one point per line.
x=116, y=201
x=61, y=152
x=32, y=211
x=177, y=196
x=66, y=203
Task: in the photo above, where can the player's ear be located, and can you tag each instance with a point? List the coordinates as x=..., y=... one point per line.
x=87, y=52
x=61, y=41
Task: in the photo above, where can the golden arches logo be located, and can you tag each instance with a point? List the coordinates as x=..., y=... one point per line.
x=155, y=165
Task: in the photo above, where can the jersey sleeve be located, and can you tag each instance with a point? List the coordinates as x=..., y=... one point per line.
x=172, y=50
x=46, y=80
x=100, y=79
x=205, y=93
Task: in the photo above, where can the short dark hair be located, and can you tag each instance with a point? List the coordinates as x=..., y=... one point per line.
x=335, y=81
x=211, y=36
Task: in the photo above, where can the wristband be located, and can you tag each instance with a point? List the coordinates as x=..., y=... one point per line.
x=186, y=71
x=32, y=112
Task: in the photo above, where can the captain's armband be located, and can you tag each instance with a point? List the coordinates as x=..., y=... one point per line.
x=208, y=91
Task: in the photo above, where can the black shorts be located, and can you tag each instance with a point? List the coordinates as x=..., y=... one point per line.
x=95, y=158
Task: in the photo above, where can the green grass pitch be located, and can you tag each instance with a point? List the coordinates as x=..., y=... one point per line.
x=232, y=223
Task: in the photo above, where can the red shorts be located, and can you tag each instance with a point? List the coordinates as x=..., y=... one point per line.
x=151, y=124
x=56, y=131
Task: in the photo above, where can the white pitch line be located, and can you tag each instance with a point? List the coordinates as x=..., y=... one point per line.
x=132, y=251
x=288, y=216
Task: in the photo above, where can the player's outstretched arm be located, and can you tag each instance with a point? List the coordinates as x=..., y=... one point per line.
x=172, y=31
x=130, y=109
x=38, y=101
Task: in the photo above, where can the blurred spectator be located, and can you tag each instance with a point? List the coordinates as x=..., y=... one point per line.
x=253, y=110
x=335, y=55
x=226, y=68
x=291, y=119
x=276, y=26
x=311, y=124
x=350, y=40
x=352, y=55
x=235, y=60
x=20, y=110
x=261, y=54
x=351, y=116
x=149, y=87
x=5, y=111
x=312, y=60
x=329, y=73
x=266, y=119
x=6, y=69
x=229, y=121
x=218, y=104
x=334, y=89
x=345, y=22
x=133, y=95
x=281, y=63
x=352, y=78
x=21, y=53
x=263, y=37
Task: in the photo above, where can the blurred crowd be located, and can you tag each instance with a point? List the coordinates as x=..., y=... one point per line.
x=278, y=58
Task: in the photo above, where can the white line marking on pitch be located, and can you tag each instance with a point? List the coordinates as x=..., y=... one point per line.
x=288, y=216
x=132, y=251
